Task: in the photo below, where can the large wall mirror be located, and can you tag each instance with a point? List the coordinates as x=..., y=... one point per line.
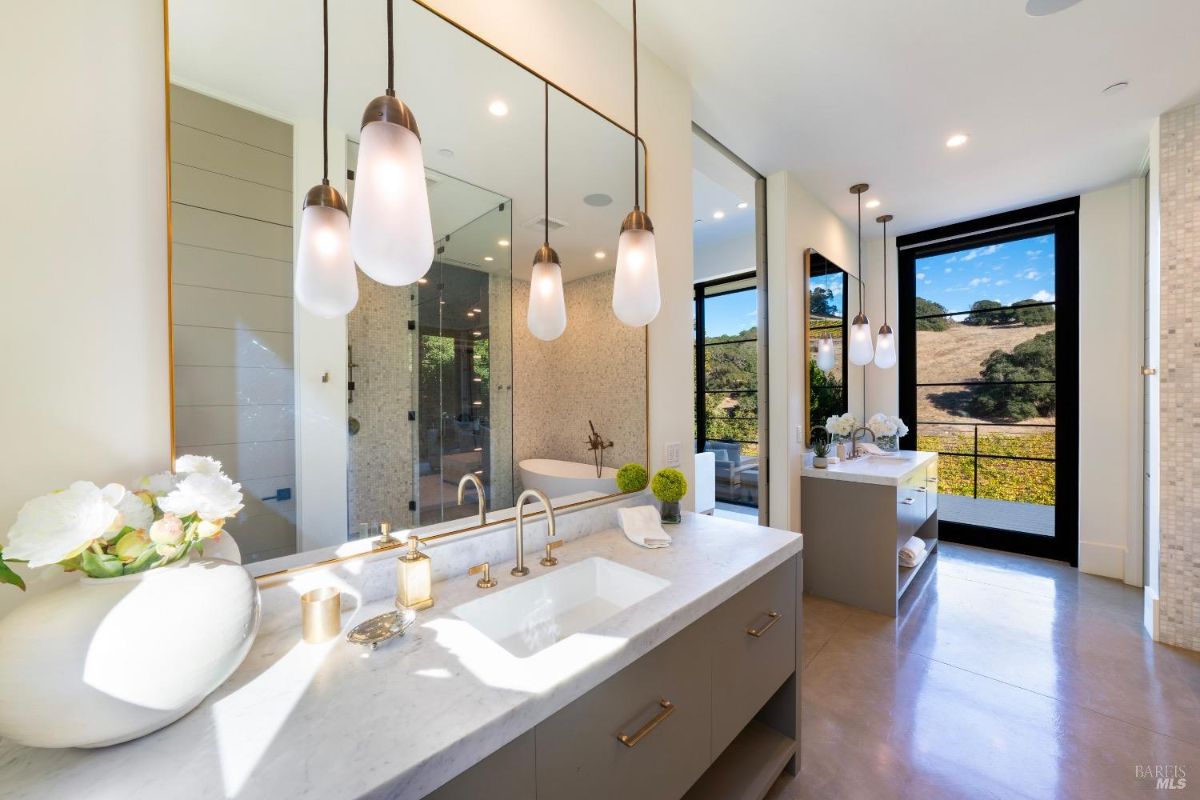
x=335, y=426
x=826, y=320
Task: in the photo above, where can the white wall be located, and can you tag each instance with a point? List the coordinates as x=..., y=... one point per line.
x=590, y=57
x=84, y=249
x=731, y=256
x=1151, y=428
x=795, y=221
x=1110, y=416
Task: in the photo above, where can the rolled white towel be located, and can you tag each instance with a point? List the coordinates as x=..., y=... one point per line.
x=913, y=551
x=642, y=525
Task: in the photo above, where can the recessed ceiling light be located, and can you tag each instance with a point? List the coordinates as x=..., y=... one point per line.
x=446, y=152
x=957, y=140
x=743, y=204
x=488, y=258
x=498, y=108
x=1113, y=88
x=718, y=214
x=422, y=281
x=503, y=242
x=470, y=313
x=699, y=221
x=477, y=310
x=599, y=199
x=872, y=204
x=599, y=254
x=1044, y=8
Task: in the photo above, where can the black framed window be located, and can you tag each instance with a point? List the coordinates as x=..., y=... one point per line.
x=989, y=374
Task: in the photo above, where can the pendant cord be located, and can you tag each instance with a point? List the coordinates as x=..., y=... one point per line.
x=325, y=96
x=885, y=249
x=391, y=53
x=636, y=170
x=860, y=271
x=546, y=164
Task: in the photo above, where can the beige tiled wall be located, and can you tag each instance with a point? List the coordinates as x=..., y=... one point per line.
x=231, y=215
x=1179, y=560
x=595, y=371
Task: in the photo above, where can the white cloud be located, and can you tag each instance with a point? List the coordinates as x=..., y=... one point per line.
x=1030, y=275
x=1042, y=296
x=949, y=270
x=1001, y=283
x=920, y=276
x=983, y=251
x=1033, y=253
x=977, y=281
x=951, y=260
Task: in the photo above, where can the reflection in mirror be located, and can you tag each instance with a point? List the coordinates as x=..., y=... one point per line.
x=825, y=335
x=335, y=426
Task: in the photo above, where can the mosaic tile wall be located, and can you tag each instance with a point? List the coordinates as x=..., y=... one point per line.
x=1179, y=560
x=380, y=481
x=595, y=371
x=500, y=390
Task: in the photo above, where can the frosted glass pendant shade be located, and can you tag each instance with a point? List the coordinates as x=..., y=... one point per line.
x=636, y=297
x=326, y=283
x=825, y=353
x=861, y=351
x=885, y=348
x=390, y=231
x=547, y=315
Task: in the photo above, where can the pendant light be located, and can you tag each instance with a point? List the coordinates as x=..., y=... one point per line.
x=825, y=353
x=635, y=287
x=885, y=344
x=391, y=230
x=547, y=315
x=861, y=352
x=325, y=283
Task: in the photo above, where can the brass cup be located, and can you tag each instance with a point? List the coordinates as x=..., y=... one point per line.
x=321, y=614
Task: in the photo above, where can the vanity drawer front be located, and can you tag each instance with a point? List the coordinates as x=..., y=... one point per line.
x=579, y=756
x=931, y=488
x=506, y=774
x=753, y=651
x=910, y=505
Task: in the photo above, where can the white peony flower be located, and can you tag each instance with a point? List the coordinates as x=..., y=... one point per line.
x=204, y=465
x=160, y=484
x=842, y=425
x=212, y=497
x=901, y=428
x=168, y=530
x=58, y=526
x=136, y=512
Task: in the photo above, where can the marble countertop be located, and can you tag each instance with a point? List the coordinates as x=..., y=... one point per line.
x=334, y=721
x=882, y=470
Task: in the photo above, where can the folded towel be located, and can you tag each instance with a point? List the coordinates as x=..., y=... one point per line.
x=642, y=525
x=912, y=551
x=912, y=563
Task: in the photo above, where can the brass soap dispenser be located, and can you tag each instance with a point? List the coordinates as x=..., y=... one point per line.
x=414, y=578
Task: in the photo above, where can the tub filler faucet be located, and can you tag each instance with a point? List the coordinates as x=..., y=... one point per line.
x=597, y=445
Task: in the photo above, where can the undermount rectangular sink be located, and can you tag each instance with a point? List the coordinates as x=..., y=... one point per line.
x=538, y=612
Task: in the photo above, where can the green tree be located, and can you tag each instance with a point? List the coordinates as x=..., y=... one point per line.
x=820, y=302
x=984, y=312
x=1031, y=317
x=826, y=397
x=925, y=308
x=1029, y=361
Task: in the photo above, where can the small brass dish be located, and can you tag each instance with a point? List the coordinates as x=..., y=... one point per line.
x=380, y=629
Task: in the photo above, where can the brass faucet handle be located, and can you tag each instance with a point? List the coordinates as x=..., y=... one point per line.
x=385, y=537
x=549, y=560
x=486, y=582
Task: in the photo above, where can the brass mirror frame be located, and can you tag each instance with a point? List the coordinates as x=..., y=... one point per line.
x=274, y=578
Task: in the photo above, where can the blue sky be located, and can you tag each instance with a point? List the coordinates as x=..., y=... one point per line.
x=731, y=313
x=1007, y=272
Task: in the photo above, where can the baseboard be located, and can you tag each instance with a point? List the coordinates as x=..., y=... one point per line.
x=1150, y=612
x=1106, y=560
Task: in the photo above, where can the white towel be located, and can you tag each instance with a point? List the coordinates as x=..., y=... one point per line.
x=642, y=525
x=913, y=551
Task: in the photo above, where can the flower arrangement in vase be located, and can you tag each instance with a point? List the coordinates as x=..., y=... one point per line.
x=151, y=627
x=669, y=486
x=887, y=431
x=841, y=426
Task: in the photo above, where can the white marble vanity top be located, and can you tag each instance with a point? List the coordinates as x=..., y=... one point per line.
x=888, y=470
x=334, y=720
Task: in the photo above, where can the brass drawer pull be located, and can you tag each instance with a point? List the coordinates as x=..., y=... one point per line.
x=774, y=616
x=668, y=708
x=908, y=501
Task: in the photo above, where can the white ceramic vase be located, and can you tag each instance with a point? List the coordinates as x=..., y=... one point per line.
x=103, y=661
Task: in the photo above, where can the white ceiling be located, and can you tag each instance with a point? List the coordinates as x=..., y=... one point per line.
x=842, y=92
x=266, y=56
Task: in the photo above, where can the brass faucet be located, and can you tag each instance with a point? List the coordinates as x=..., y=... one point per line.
x=471, y=477
x=854, y=451
x=520, y=569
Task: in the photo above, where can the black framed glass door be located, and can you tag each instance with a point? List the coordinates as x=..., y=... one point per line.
x=989, y=375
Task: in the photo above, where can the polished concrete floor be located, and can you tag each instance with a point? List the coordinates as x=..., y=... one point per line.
x=1005, y=677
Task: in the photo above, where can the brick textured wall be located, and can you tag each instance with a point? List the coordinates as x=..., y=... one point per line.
x=1179, y=562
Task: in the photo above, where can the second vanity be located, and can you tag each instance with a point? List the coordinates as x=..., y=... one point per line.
x=856, y=515
x=690, y=690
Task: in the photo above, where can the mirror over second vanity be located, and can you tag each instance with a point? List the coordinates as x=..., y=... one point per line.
x=336, y=426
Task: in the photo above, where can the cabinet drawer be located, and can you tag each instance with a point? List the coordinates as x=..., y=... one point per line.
x=931, y=486
x=506, y=774
x=580, y=757
x=910, y=505
x=753, y=652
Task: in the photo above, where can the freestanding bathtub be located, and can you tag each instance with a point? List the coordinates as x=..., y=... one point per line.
x=562, y=478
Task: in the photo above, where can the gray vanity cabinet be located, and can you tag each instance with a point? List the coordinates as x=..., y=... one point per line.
x=753, y=643
x=506, y=774
x=579, y=756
